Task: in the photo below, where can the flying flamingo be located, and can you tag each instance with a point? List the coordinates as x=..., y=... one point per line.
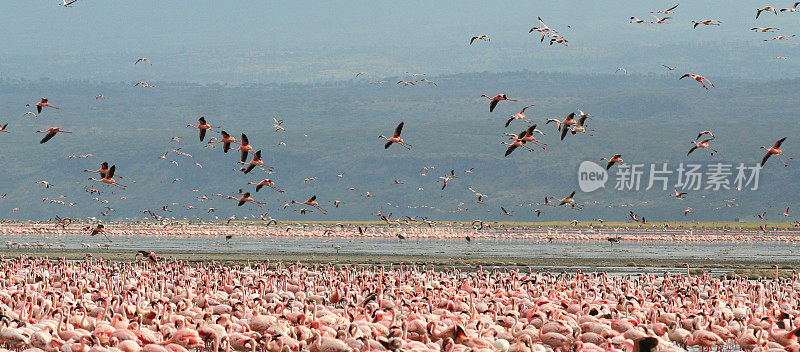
x=51, y=132
x=791, y=9
x=41, y=104
x=518, y=116
x=705, y=132
x=244, y=147
x=142, y=60
x=253, y=163
x=518, y=142
x=246, y=198
x=687, y=211
x=660, y=20
x=3, y=128
x=669, y=10
x=528, y=137
x=707, y=23
x=698, y=78
x=786, y=213
x=494, y=100
x=102, y=171
x=566, y=200
x=701, y=144
x=109, y=178
x=396, y=138
x=766, y=8
x=578, y=127
x=617, y=158
x=226, y=141
x=670, y=68
x=505, y=212
x=312, y=202
x=202, y=126
x=775, y=149
x=266, y=182
x=636, y=20
x=481, y=37
x=677, y=194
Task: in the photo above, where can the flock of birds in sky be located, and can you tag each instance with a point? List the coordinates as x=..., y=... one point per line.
x=250, y=158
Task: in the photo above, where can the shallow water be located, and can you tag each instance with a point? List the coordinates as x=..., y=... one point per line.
x=478, y=248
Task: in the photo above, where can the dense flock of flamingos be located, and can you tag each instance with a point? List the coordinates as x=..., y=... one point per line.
x=153, y=305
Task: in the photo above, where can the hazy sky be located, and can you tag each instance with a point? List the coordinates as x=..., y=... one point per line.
x=193, y=40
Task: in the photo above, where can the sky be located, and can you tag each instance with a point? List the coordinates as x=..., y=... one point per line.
x=266, y=41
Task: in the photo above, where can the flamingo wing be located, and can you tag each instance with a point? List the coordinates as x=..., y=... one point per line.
x=202, y=134
x=48, y=137
x=111, y=171
x=386, y=146
x=492, y=105
x=691, y=150
x=398, y=129
x=564, y=131
x=779, y=142
x=764, y=159
x=510, y=149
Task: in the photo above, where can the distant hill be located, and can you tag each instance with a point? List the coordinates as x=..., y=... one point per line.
x=333, y=128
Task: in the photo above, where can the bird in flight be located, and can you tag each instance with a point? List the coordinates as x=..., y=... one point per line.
x=775, y=150
x=41, y=104
x=66, y=3
x=617, y=158
x=677, y=194
x=707, y=23
x=518, y=116
x=202, y=126
x=669, y=10
x=698, y=78
x=791, y=9
x=780, y=37
x=766, y=8
x=396, y=138
x=660, y=20
x=3, y=128
x=495, y=99
x=142, y=60
x=701, y=144
x=51, y=132
x=704, y=133
x=762, y=29
x=481, y=37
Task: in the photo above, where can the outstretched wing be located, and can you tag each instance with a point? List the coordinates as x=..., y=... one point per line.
x=492, y=105
x=48, y=137
x=779, y=142
x=764, y=159
x=398, y=129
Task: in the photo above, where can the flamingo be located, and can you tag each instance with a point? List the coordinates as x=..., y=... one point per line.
x=202, y=126
x=226, y=141
x=780, y=37
x=698, y=78
x=528, y=137
x=246, y=198
x=701, y=144
x=42, y=104
x=617, y=158
x=707, y=23
x=505, y=212
x=786, y=213
x=66, y=3
x=481, y=37
x=266, y=182
x=669, y=10
x=791, y=9
x=762, y=29
x=687, y=211
x=494, y=100
x=109, y=178
x=621, y=69
x=567, y=200
x=102, y=171
x=312, y=202
x=636, y=20
x=51, y=132
x=670, y=68
x=245, y=147
x=518, y=116
x=580, y=126
x=766, y=8
x=677, y=194
x=396, y=138
x=518, y=142
x=142, y=60
x=775, y=149
x=253, y=163
x=3, y=128
x=660, y=20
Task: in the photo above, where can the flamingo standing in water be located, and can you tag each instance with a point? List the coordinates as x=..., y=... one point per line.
x=312, y=202
x=42, y=104
x=776, y=150
x=109, y=178
x=202, y=126
x=51, y=132
x=396, y=138
x=494, y=100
